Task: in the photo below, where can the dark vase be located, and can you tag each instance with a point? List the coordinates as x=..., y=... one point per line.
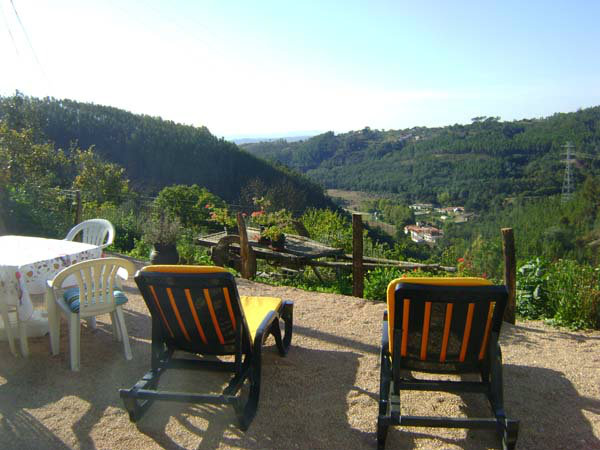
x=164, y=254
x=264, y=240
x=279, y=244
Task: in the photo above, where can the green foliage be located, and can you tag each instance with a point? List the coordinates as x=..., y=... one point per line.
x=376, y=282
x=126, y=218
x=484, y=258
x=99, y=181
x=532, y=290
x=189, y=252
x=157, y=153
x=565, y=292
x=476, y=165
x=328, y=227
x=141, y=249
x=574, y=293
x=188, y=203
x=308, y=281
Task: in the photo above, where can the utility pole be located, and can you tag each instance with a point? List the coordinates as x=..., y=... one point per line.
x=567, y=187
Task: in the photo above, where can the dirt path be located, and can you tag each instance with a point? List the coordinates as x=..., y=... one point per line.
x=323, y=395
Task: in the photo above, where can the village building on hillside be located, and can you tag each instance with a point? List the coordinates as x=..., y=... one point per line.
x=423, y=234
x=421, y=207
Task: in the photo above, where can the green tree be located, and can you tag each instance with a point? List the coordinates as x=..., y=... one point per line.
x=191, y=204
x=98, y=180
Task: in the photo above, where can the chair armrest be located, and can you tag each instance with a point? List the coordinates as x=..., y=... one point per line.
x=385, y=337
x=263, y=328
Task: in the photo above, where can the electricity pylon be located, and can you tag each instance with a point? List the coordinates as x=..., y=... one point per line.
x=567, y=187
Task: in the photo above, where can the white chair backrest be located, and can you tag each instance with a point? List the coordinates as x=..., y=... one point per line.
x=98, y=232
x=96, y=279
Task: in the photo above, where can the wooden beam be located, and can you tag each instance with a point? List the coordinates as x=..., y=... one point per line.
x=510, y=273
x=244, y=247
x=357, y=256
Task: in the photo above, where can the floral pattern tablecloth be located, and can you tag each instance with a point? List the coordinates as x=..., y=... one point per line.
x=26, y=263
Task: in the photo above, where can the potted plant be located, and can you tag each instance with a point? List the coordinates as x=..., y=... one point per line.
x=161, y=231
x=275, y=236
x=272, y=224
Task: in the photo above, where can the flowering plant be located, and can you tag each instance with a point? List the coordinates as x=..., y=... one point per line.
x=220, y=215
x=273, y=224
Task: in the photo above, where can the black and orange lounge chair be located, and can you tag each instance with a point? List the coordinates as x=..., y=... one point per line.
x=197, y=309
x=443, y=325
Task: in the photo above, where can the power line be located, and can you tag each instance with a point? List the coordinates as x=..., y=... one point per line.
x=12, y=38
x=29, y=41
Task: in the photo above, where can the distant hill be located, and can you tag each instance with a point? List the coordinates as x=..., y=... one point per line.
x=250, y=140
x=477, y=164
x=158, y=153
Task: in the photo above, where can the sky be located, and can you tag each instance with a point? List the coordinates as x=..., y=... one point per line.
x=265, y=68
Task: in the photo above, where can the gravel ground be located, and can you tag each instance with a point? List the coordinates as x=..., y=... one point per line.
x=323, y=395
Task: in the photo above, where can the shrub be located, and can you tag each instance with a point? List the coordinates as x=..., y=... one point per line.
x=565, y=292
x=377, y=280
x=574, y=293
x=189, y=252
x=532, y=291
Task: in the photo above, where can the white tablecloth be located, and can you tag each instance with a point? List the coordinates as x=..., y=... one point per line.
x=26, y=263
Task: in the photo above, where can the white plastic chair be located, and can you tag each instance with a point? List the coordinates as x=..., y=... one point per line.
x=98, y=232
x=97, y=292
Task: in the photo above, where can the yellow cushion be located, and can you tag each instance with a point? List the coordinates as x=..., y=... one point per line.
x=431, y=281
x=255, y=310
x=184, y=269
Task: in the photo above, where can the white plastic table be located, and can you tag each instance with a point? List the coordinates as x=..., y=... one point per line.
x=26, y=263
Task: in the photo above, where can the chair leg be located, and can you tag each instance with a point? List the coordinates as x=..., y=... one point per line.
x=22, y=328
x=511, y=433
x=246, y=412
x=91, y=321
x=287, y=315
x=384, y=402
x=53, y=322
x=275, y=330
x=382, y=431
x=123, y=331
x=117, y=335
x=8, y=328
x=74, y=341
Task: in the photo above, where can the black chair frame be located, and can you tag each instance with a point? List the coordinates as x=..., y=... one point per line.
x=247, y=354
x=396, y=377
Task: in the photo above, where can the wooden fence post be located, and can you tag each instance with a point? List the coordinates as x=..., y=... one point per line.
x=246, y=253
x=510, y=273
x=78, y=207
x=357, y=256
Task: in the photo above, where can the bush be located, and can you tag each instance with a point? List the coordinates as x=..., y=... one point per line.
x=532, y=291
x=574, y=293
x=565, y=292
x=376, y=282
x=189, y=252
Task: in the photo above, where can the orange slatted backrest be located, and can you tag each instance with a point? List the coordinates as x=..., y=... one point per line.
x=442, y=319
x=198, y=307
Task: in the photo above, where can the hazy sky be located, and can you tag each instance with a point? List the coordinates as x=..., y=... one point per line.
x=260, y=68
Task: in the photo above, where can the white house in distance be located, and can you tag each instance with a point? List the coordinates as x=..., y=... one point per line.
x=420, y=234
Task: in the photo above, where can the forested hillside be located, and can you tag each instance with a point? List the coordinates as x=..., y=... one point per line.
x=156, y=153
x=478, y=164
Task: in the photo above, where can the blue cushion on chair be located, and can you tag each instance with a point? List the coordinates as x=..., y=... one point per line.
x=71, y=297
